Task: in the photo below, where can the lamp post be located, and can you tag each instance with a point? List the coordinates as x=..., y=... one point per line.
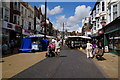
x=45, y=19
x=103, y=23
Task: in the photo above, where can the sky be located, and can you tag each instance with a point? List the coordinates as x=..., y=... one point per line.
x=69, y=13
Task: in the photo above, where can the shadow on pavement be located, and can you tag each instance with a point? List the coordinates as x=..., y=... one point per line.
x=100, y=58
x=63, y=56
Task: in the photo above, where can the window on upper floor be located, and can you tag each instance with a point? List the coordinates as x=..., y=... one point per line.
x=22, y=9
x=97, y=21
x=22, y=22
x=103, y=6
x=19, y=6
x=26, y=12
x=1, y=13
x=14, y=19
x=18, y=20
x=97, y=8
x=103, y=18
x=97, y=25
x=94, y=28
x=115, y=12
x=15, y=5
x=109, y=14
x=6, y=15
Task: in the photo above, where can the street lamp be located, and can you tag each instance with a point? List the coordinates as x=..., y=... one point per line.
x=45, y=18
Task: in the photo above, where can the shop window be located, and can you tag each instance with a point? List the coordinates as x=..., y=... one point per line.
x=110, y=41
x=117, y=40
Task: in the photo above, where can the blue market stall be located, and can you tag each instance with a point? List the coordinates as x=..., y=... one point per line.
x=26, y=45
x=32, y=44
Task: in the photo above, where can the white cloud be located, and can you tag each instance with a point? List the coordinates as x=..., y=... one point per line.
x=55, y=10
x=71, y=23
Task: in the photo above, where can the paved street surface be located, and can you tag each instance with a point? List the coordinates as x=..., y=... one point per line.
x=109, y=64
x=71, y=64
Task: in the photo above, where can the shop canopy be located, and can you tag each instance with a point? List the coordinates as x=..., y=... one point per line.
x=50, y=37
x=81, y=37
x=37, y=35
x=41, y=35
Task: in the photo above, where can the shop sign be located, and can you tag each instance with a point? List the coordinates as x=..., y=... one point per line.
x=35, y=46
x=106, y=49
x=17, y=28
x=103, y=22
x=100, y=32
x=26, y=32
x=109, y=28
x=8, y=25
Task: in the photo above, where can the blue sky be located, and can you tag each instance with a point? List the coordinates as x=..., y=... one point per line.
x=69, y=12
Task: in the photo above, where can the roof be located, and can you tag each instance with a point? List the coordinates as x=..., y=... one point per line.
x=98, y=1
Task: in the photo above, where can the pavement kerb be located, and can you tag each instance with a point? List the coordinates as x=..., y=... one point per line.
x=9, y=72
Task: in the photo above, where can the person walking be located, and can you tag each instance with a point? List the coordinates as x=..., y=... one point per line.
x=94, y=45
x=89, y=50
x=57, y=47
x=12, y=44
x=4, y=47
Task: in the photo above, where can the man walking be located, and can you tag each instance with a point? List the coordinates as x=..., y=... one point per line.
x=89, y=50
x=57, y=46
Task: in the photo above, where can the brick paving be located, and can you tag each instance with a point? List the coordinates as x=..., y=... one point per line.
x=14, y=64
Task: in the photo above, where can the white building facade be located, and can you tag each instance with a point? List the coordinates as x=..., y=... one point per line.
x=99, y=14
x=113, y=10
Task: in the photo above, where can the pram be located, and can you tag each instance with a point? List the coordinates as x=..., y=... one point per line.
x=51, y=51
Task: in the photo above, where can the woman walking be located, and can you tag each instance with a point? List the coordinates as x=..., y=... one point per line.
x=95, y=47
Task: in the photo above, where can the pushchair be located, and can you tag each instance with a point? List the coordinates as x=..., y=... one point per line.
x=51, y=51
x=99, y=53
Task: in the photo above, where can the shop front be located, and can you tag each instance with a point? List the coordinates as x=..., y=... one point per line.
x=11, y=32
x=112, y=36
x=7, y=30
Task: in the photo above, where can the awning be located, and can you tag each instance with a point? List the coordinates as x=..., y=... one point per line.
x=38, y=35
x=81, y=37
x=50, y=37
